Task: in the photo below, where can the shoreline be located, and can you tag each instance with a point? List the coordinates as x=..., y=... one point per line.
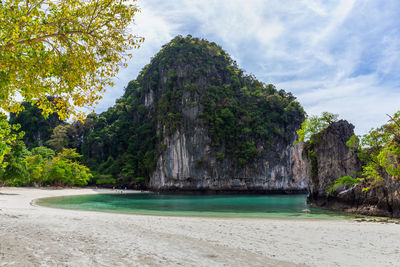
x=36, y=235
x=336, y=214
x=303, y=216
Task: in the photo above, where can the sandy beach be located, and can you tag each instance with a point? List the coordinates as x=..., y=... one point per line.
x=31, y=235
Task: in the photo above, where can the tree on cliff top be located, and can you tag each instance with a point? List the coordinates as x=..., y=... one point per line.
x=68, y=49
x=315, y=124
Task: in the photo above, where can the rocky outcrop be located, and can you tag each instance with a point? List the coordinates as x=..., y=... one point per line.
x=328, y=159
x=189, y=163
x=382, y=200
x=192, y=120
x=204, y=92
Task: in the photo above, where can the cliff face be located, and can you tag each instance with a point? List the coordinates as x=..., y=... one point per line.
x=189, y=163
x=213, y=137
x=329, y=159
x=193, y=121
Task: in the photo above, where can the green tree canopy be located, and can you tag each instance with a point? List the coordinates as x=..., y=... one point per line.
x=59, y=139
x=68, y=49
x=15, y=171
x=379, y=151
x=42, y=166
x=37, y=129
x=315, y=124
x=7, y=137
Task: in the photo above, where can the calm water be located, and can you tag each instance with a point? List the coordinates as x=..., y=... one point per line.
x=288, y=206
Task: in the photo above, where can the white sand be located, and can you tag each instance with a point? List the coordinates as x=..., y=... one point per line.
x=37, y=236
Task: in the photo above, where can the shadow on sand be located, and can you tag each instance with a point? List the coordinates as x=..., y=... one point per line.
x=8, y=194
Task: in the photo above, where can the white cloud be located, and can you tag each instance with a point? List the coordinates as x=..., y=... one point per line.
x=338, y=56
x=316, y=6
x=157, y=30
x=336, y=19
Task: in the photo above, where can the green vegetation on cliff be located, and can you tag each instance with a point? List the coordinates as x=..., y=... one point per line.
x=187, y=75
x=309, y=133
x=315, y=124
x=379, y=151
x=37, y=129
x=189, y=79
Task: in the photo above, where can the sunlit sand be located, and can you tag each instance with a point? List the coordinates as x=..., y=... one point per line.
x=35, y=235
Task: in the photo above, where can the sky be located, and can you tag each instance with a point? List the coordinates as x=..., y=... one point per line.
x=337, y=56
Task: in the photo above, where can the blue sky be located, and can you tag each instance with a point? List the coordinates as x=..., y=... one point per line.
x=336, y=56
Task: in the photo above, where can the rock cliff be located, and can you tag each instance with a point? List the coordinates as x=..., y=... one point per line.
x=207, y=149
x=190, y=163
x=328, y=159
x=192, y=120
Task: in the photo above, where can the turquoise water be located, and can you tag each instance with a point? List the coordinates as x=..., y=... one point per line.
x=258, y=206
